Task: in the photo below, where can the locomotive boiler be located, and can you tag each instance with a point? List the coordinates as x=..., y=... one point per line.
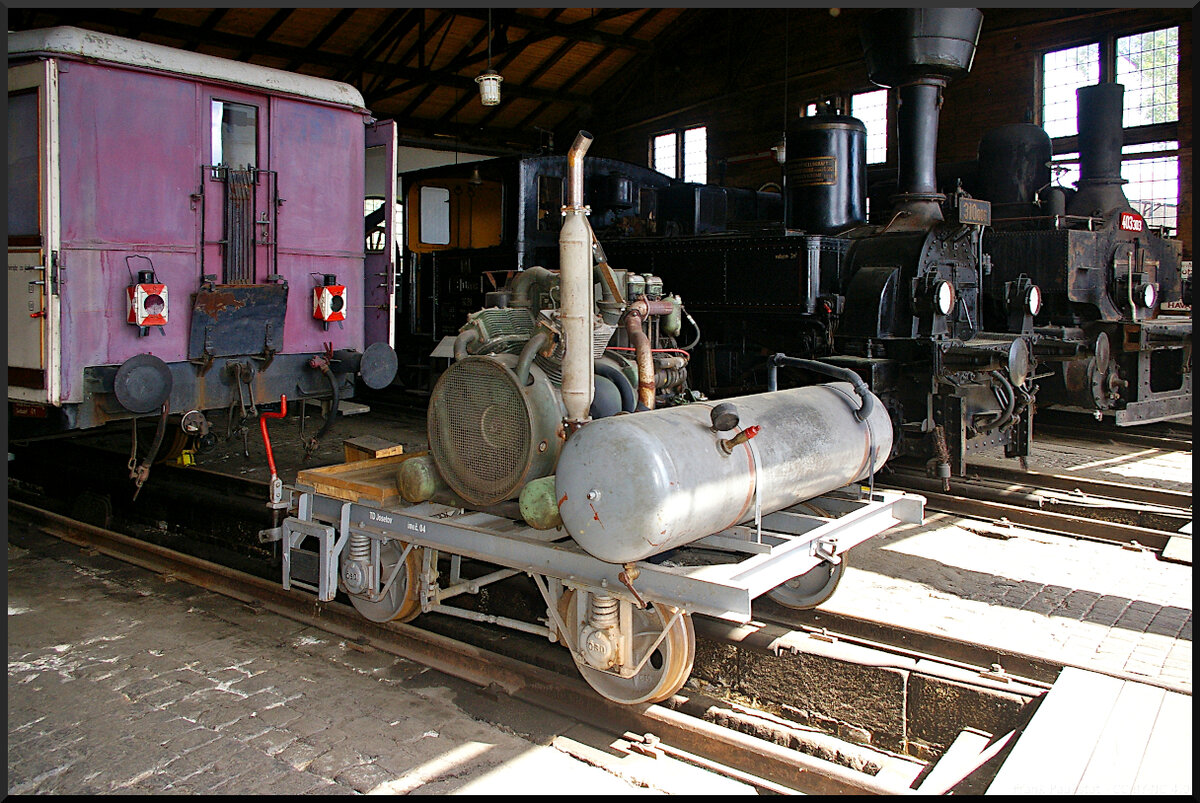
x=185, y=235
x=1107, y=344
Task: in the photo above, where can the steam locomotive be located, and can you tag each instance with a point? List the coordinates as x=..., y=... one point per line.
x=1104, y=275
x=955, y=317
x=898, y=305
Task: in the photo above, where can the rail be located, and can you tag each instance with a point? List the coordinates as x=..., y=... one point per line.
x=741, y=756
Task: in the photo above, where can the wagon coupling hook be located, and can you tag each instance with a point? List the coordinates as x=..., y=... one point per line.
x=627, y=577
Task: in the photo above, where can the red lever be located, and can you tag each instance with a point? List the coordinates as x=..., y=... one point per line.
x=262, y=425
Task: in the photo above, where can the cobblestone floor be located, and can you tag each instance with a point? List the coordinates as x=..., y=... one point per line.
x=120, y=682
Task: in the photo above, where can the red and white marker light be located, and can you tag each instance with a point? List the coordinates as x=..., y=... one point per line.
x=329, y=303
x=147, y=304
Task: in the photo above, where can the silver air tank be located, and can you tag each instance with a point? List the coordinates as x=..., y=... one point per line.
x=632, y=486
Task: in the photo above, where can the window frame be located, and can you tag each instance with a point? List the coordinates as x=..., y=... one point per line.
x=1147, y=134
x=679, y=132
x=844, y=101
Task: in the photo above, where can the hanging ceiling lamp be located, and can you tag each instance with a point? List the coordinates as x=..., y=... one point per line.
x=489, y=80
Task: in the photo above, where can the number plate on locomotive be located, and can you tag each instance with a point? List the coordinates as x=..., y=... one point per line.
x=974, y=212
x=1131, y=221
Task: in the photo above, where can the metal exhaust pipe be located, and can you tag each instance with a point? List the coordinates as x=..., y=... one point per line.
x=575, y=282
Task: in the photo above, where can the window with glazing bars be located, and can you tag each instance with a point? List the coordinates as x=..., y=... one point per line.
x=871, y=109
x=689, y=161
x=1147, y=65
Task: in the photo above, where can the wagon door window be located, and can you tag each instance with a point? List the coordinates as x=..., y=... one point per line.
x=23, y=166
x=234, y=135
x=245, y=212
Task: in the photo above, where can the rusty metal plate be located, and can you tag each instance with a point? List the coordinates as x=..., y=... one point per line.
x=234, y=320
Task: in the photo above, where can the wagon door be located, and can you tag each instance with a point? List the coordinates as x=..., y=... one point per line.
x=239, y=191
x=379, y=208
x=241, y=305
x=33, y=233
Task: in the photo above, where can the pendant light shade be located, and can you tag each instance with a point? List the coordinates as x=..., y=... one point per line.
x=489, y=87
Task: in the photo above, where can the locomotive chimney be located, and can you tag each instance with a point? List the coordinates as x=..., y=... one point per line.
x=918, y=51
x=1101, y=136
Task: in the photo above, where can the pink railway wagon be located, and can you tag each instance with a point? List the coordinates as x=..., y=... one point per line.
x=185, y=234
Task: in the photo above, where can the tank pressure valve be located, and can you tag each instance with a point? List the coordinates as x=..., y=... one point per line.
x=728, y=444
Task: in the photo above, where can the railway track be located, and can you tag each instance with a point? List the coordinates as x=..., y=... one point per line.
x=1167, y=436
x=779, y=630
x=1130, y=515
x=761, y=763
x=986, y=661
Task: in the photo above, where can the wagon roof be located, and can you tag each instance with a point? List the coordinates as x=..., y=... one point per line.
x=70, y=41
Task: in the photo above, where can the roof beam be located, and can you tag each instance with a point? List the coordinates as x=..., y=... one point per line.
x=175, y=30
x=636, y=26
x=613, y=92
x=582, y=31
x=206, y=27
x=264, y=33
x=394, y=28
x=323, y=35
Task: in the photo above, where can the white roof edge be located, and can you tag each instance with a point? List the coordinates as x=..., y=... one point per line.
x=68, y=40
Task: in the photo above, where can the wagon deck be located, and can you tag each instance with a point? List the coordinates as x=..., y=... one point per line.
x=718, y=576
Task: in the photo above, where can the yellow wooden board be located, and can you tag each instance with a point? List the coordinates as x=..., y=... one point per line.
x=366, y=447
x=370, y=481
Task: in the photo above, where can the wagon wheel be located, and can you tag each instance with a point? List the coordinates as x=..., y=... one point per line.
x=811, y=588
x=669, y=666
x=402, y=602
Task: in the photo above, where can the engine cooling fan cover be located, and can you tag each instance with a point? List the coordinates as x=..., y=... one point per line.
x=487, y=434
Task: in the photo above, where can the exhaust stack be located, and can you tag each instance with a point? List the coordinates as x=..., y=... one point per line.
x=1099, y=108
x=575, y=279
x=918, y=51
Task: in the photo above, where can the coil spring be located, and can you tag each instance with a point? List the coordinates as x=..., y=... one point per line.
x=604, y=612
x=359, y=547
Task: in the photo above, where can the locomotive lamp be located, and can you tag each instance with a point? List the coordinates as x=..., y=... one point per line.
x=943, y=297
x=1033, y=300
x=147, y=302
x=1024, y=302
x=1147, y=295
x=329, y=301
